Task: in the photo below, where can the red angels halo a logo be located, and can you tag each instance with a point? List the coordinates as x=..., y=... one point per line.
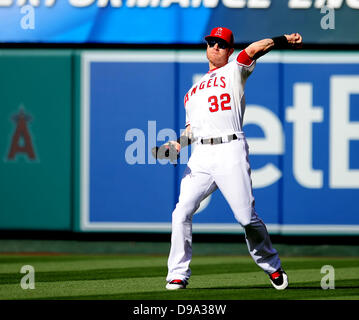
x=21, y=141
x=219, y=32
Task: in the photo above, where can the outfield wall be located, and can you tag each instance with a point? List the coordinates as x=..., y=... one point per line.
x=97, y=114
x=36, y=90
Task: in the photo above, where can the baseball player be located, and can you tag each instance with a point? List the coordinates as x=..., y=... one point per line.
x=215, y=108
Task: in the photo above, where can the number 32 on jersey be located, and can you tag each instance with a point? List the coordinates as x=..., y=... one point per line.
x=221, y=103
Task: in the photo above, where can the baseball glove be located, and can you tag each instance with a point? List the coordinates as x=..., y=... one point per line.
x=166, y=151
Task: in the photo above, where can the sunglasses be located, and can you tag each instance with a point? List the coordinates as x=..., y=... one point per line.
x=221, y=44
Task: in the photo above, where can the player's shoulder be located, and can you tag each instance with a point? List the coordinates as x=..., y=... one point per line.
x=244, y=60
x=199, y=78
x=240, y=60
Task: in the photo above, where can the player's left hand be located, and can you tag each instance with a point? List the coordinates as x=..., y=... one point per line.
x=169, y=150
x=295, y=40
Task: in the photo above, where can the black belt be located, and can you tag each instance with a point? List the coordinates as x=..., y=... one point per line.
x=218, y=140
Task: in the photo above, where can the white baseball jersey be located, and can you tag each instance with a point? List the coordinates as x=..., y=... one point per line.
x=215, y=104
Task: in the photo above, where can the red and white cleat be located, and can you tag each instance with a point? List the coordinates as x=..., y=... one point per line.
x=176, y=284
x=279, y=279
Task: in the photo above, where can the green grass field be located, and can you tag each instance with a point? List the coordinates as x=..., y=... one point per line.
x=142, y=277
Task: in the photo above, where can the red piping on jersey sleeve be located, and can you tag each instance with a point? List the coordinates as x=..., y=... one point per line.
x=244, y=59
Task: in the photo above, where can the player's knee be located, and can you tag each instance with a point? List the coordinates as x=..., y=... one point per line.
x=244, y=222
x=244, y=216
x=180, y=218
x=182, y=213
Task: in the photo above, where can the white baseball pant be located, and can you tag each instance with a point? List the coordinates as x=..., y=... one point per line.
x=224, y=166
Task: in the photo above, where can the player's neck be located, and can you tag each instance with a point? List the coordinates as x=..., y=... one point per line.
x=215, y=66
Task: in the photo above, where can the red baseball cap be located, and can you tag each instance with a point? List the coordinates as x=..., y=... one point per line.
x=222, y=33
